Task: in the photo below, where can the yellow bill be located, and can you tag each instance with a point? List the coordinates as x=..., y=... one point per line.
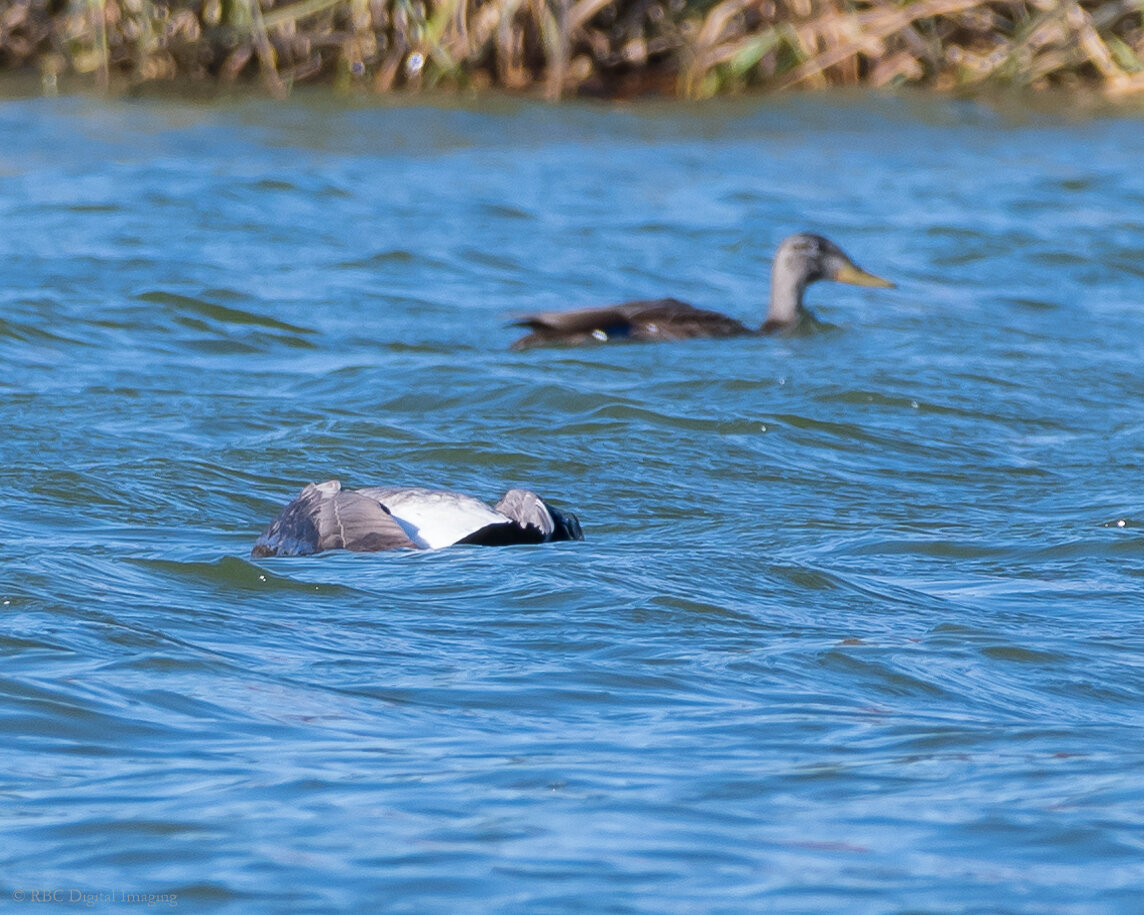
x=856, y=276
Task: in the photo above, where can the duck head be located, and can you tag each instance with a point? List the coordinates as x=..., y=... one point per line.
x=804, y=259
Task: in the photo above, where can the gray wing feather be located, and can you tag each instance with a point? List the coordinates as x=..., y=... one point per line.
x=529, y=511
x=326, y=517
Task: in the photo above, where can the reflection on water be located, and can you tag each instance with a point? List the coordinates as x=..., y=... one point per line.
x=856, y=624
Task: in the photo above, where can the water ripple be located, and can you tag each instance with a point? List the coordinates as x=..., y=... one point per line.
x=856, y=622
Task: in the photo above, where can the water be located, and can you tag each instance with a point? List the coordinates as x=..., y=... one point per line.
x=857, y=625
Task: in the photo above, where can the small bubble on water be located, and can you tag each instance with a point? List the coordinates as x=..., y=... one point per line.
x=914, y=404
x=262, y=578
x=1120, y=522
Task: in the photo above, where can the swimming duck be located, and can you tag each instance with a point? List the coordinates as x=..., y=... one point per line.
x=800, y=260
x=323, y=516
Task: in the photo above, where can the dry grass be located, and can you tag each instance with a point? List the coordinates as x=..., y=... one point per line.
x=692, y=48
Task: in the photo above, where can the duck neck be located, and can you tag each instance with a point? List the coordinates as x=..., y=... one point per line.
x=786, y=302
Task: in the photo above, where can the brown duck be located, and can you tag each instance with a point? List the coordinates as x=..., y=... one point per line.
x=800, y=260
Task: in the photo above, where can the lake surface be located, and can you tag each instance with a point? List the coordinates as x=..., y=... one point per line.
x=859, y=621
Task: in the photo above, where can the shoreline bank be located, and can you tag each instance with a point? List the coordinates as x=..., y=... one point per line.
x=580, y=48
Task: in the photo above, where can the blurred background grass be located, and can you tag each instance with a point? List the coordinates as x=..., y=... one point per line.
x=610, y=48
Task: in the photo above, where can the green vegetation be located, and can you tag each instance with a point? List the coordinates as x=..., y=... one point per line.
x=691, y=48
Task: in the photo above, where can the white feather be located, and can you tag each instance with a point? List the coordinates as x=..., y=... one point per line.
x=435, y=518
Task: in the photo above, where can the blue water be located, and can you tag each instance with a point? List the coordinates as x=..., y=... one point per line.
x=857, y=626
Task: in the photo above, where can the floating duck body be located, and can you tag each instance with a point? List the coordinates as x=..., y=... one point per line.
x=800, y=260
x=323, y=516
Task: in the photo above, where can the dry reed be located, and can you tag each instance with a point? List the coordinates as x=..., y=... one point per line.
x=692, y=48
